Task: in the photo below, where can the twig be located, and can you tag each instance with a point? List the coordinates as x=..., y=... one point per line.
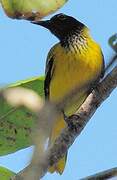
x=113, y=42
x=103, y=175
x=111, y=63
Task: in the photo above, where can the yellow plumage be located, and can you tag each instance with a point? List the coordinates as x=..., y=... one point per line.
x=73, y=69
x=74, y=62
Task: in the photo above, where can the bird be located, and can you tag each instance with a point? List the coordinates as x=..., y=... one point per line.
x=75, y=61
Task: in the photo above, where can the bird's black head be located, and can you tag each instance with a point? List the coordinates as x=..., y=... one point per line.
x=61, y=25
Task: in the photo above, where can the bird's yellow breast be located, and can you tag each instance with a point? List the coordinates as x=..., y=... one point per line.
x=75, y=68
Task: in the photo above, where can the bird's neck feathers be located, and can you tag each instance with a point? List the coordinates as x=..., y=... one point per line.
x=76, y=40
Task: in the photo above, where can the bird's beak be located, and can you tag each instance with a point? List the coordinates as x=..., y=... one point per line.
x=45, y=24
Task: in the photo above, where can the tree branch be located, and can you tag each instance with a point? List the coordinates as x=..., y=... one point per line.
x=76, y=124
x=78, y=121
x=103, y=175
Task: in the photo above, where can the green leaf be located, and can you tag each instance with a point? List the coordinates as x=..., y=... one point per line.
x=5, y=174
x=29, y=8
x=16, y=123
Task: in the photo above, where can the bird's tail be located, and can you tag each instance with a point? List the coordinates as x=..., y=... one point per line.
x=59, y=125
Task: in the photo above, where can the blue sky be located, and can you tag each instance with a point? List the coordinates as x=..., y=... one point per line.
x=23, y=51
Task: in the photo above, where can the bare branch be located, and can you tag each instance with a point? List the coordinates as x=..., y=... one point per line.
x=113, y=42
x=78, y=121
x=111, y=63
x=103, y=175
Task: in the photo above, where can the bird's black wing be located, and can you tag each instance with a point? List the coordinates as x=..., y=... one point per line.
x=48, y=72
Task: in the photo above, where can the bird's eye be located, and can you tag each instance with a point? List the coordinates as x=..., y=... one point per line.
x=58, y=17
x=61, y=16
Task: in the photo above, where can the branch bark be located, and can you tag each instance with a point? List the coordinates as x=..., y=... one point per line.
x=76, y=124
x=103, y=175
x=78, y=121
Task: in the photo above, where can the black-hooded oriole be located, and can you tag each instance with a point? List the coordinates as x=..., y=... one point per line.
x=75, y=61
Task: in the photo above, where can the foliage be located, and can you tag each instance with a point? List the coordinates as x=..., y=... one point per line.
x=5, y=174
x=16, y=123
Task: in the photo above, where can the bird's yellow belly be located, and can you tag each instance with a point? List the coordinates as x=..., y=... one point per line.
x=74, y=71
